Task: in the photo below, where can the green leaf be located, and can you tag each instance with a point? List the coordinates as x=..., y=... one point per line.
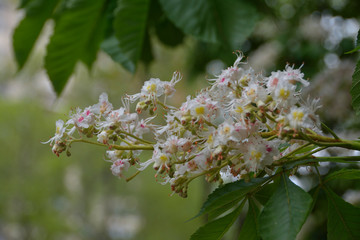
x=96, y=36
x=227, y=22
x=265, y=193
x=217, y=212
x=130, y=29
x=24, y=3
x=28, y=30
x=168, y=33
x=73, y=34
x=285, y=212
x=216, y=229
x=343, y=174
x=111, y=47
x=343, y=218
x=357, y=44
x=250, y=228
x=229, y=193
x=355, y=89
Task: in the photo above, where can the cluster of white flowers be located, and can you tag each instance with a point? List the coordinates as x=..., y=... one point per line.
x=231, y=130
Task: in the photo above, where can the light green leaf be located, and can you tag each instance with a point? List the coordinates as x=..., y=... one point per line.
x=229, y=193
x=285, y=212
x=72, y=35
x=343, y=218
x=250, y=228
x=28, y=30
x=343, y=174
x=216, y=229
x=130, y=29
x=227, y=22
x=355, y=89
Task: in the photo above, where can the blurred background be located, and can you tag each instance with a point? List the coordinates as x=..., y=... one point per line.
x=47, y=197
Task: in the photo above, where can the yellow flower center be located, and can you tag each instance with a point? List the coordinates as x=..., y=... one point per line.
x=256, y=155
x=226, y=129
x=298, y=115
x=210, y=139
x=284, y=94
x=151, y=87
x=163, y=158
x=239, y=109
x=200, y=110
x=251, y=92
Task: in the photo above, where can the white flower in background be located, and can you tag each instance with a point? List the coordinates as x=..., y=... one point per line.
x=259, y=153
x=289, y=75
x=284, y=95
x=227, y=176
x=144, y=126
x=254, y=92
x=103, y=137
x=104, y=107
x=119, y=166
x=239, y=108
x=82, y=119
x=169, y=87
x=59, y=132
x=298, y=118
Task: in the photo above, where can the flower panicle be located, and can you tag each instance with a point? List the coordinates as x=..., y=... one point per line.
x=232, y=130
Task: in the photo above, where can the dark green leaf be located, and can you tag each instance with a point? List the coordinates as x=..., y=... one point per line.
x=216, y=213
x=28, y=30
x=265, y=193
x=343, y=174
x=250, y=228
x=72, y=35
x=285, y=212
x=168, y=33
x=96, y=36
x=227, y=22
x=111, y=47
x=216, y=229
x=229, y=193
x=130, y=28
x=24, y=3
x=343, y=218
x=357, y=44
x=146, y=54
x=355, y=89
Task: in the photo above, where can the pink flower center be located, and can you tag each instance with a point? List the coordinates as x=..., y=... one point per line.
x=81, y=119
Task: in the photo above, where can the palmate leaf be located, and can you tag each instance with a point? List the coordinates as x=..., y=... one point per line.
x=343, y=174
x=355, y=89
x=285, y=212
x=229, y=193
x=75, y=31
x=250, y=228
x=130, y=25
x=228, y=22
x=28, y=30
x=343, y=218
x=111, y=47
x=216, y=229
